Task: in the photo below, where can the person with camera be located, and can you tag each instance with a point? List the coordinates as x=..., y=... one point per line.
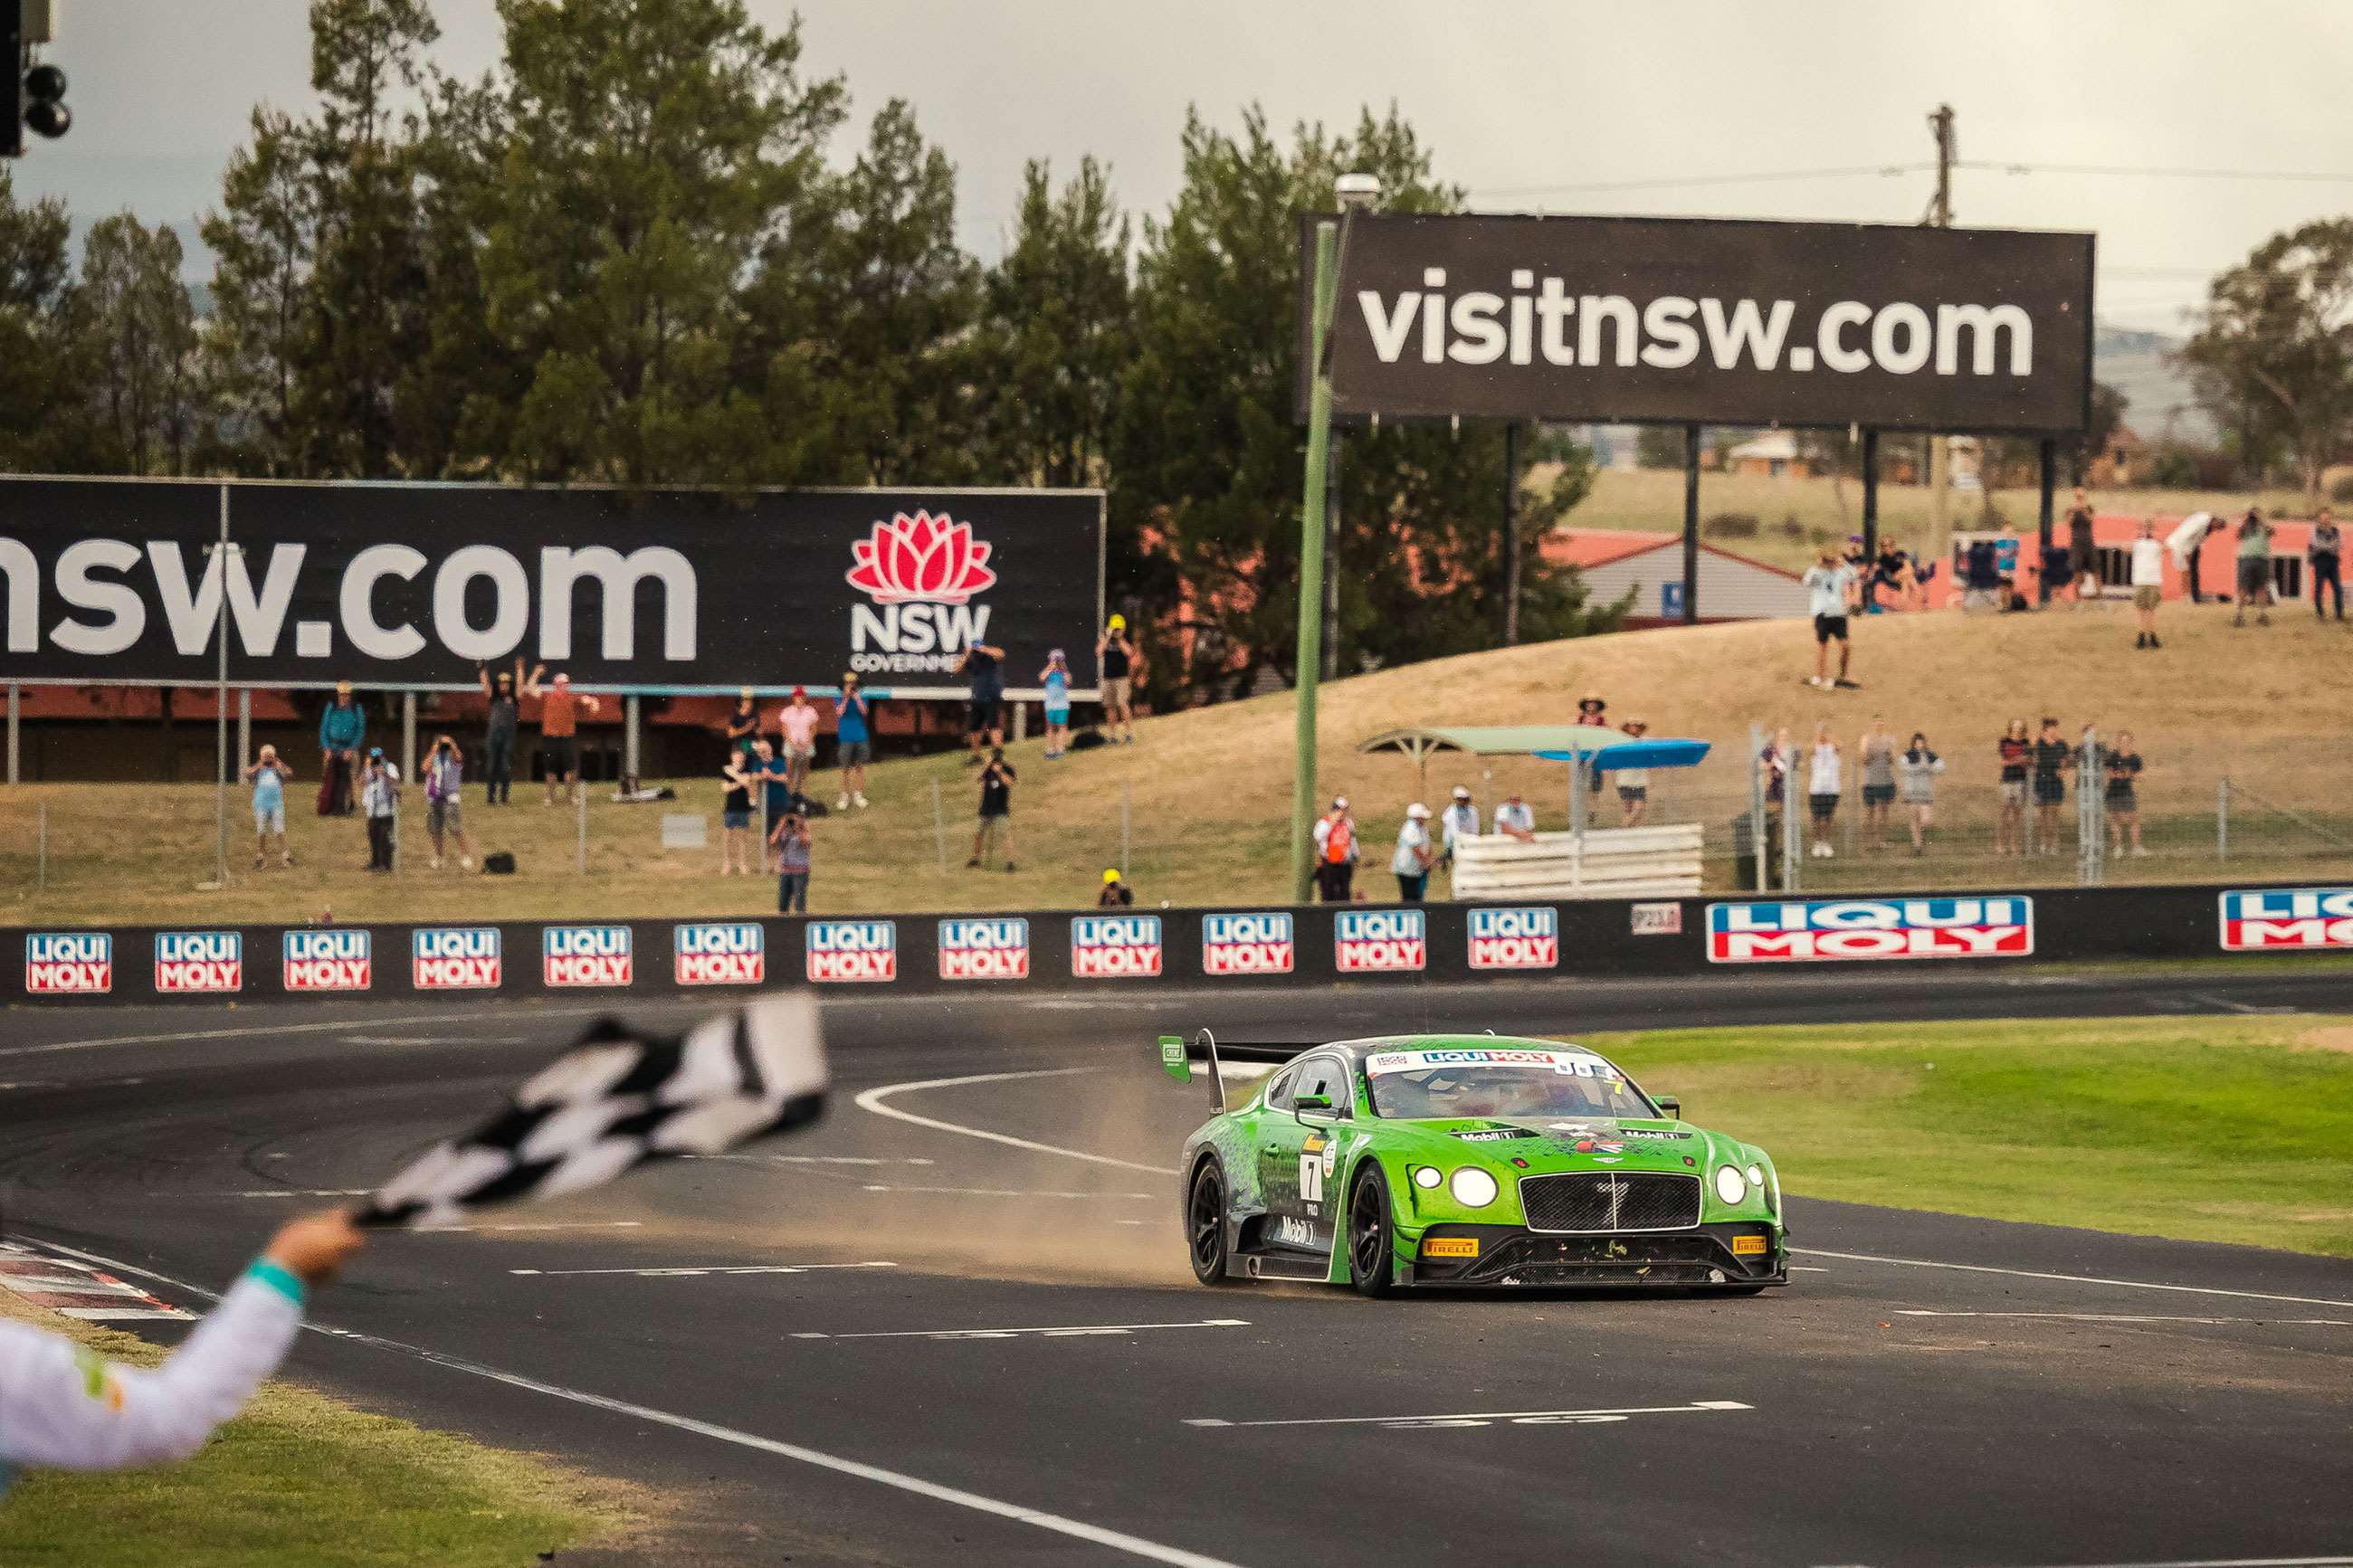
x=445, y=812
x=996, y=829
x=790, y=841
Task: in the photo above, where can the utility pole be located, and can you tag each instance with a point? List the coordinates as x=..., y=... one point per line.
x=1940, y=465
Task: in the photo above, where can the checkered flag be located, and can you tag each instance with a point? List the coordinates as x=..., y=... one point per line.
x=618, y=1099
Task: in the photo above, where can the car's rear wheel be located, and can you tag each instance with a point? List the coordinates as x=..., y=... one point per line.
x=1372, y=1246
x=1205, y=1224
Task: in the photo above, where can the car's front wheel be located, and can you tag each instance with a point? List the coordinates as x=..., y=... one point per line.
x=1205, y=1224
x=1372, y=1246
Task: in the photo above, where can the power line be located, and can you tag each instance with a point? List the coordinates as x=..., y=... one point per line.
x=2156, y=172
x=1687, y=181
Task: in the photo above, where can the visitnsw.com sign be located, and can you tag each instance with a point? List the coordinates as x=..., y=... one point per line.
x=1707, y=321
x=417, y=586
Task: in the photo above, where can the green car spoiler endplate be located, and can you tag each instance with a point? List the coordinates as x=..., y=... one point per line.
x=1177, y=1056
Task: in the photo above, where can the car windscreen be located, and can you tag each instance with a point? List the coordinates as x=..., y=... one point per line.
x=1441, y=1084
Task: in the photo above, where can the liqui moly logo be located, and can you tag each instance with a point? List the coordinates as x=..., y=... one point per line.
x=1115, y=947
x=69, y=962
x=853, y=950
x=728, y=953
x=336, y=959
x=995, y=949
x=2287, y=920
x=1380, y=942
x=1247, y=944
x=2000, y=927
x=455, y=958
x=200, y=963
x=920, y=573
x=584, y=957
x=1523, y=938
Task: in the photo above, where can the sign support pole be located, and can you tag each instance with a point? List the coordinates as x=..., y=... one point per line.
x=630, y=717
x=1870, y=496
x=15, y=769
x=1511, y=533
x=220, y=705
x=244, y=724
x=1691, y=525
x=2050, y=456
x=1310, y=659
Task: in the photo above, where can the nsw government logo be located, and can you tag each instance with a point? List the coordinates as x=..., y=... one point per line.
x=455, y=958
x=1246, y=944
x=920, y=573
x=1380, y=942
x=200, y=963
x=1115, y=947
x=582, y=957
x=334, y=960
x=853, y=950
x=1823, y=931
x=2287, y=920
x=69, y=962
x=720, y=952
x=992, y=948
x=1525, y=937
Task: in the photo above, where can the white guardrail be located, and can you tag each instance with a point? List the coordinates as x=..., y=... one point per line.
x=1605, y=863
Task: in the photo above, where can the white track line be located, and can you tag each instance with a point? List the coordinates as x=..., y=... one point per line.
x=1003, y=1193
x=874, y=1098
x=1117, y=1541
x=697, y=1271
x=2073, y=1279
x=1074, y=1331
x=244, y=1031
x=1702, y=1404
x=2130, y=1317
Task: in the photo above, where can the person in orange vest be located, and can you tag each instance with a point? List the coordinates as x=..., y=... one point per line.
x=1335, y=852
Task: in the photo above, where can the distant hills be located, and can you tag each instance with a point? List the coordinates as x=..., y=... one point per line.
x=2157, y=397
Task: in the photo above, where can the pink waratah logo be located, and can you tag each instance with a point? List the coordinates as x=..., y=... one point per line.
x=921, y=557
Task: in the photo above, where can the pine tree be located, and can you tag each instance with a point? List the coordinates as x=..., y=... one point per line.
x=138, y=327
x=39, y=432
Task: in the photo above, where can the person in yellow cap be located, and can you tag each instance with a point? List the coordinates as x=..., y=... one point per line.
x=1115, y=894
x=1117, y=658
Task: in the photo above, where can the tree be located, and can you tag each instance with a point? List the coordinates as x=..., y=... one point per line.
x=138, y=324
x=38, y=433
x=264, y=239
x=2277, y=338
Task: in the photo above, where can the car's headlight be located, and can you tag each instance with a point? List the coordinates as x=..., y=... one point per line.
x=1427, y=1176
x=1474, y=1188
x=1729, y=1185
x=1756, y=1176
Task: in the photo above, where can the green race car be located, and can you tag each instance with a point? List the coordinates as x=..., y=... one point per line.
x=1467, y=1161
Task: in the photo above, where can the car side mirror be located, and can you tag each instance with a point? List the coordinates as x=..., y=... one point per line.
x=1302, y=1103
x=1670, y=1105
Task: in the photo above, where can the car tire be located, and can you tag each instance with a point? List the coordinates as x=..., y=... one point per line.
x=1372, y=1243
x=1205, y=1223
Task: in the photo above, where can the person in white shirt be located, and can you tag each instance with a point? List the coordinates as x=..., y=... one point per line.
x=1410, y=865
x=1459, y=820
x=1633, y=783
x=2186, y=542
x=64, y=1407
x=1829, y=586
x=2147, y=581
x=1515, y=820
x=1823, y=779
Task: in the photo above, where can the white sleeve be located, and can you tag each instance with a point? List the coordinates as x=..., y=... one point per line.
x=66, y=1407
x=1322, y=832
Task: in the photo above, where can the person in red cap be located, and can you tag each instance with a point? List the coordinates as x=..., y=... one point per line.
x=797, y=718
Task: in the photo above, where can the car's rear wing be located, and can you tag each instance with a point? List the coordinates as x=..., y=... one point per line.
x=1179, y=1058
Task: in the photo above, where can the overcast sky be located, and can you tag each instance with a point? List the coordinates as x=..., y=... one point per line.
x=1511, y=96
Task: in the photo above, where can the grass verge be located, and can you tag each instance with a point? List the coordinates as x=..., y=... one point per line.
x=2200, y=1130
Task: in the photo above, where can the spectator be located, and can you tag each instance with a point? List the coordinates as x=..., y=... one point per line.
x=499, y=732
x=445, y=809
x=1459, y=820
x=1413, y=860
x=1335, y=853
x=1853, y=558
x=380, y=802
x=2083, y=558
x=268, y=776
x=2327, y=553
x=790, y=840
x=1824, y=779
x=1915, y=778
x=796, y=721
x=1515, y=820
x=1056, y=678
x=853, y=736
x=559, y=730
x=2122, y=765
x=773, y=776
x=735, y=812
x=2254, y=569
x=2009, y=827
x=1633, y=783
x=1894, y=572
x=1594, y=710
x=1982, y=583
x=984, y=663
x=1830, y=583
x=2052, y=757
x=343, y=731
x=2014, y=601
x=2147, y=581
x=1774, y=762
x=2188, y=542
x=1877, y=753
x=743, y=724
x=1116, y=658
x=996, y=782
x=1116, y=894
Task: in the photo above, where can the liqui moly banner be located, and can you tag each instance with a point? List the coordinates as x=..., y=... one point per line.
x=69, y=962
x=1524, y=937
x=720, y=952
x=456, y=958
x=2287, y=920
x=1115, y=947
x=1247, y=944
x=584, y=957
x=2000, y=926
x=339, y=958
x=852, y=950
x=200, y=963
x=991, y=949
x=1380, y=942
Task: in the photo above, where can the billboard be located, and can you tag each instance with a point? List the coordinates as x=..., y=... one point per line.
x=419, y=584
x=1693, y=320
x=2287, y=920
x=1824, y=930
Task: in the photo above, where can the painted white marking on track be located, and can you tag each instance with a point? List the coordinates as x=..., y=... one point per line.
x=1075, y=1330
x=2073, y=1279
x=698, y=1270
x=120, y=1314
x=246, y=1031
x=873, y=1098
x=1480, y=1418
x=1002, y=1192
x=529, y=1225
x=2125, y=1318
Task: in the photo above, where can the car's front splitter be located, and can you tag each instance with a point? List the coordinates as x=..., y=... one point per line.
x=1723, y=1255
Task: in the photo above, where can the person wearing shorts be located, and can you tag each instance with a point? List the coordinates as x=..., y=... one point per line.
x=445, y=810
x=1056, y=680
x=2009, y=827
x=984, y=662
x=559, y=730
x=853, y=736
x=1829, y=587
x=1115, y=660
x=2121, y=800
x=2254, y=569
x=2147, y=581
x=1633, y=783
x=268, y=776
x=796, y=720
x=996, y=829
x=1915, y=777
x=2052, y=757
x=2083, y=569
x=735, y=811
x=1878, y=754
x=1824, y=778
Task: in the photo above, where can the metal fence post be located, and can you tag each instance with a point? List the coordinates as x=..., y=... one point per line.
x=939, y=825
x=631, y=716
x=2090, y=809
x=244, y=724
x=1758, y=838
x=2222, y=817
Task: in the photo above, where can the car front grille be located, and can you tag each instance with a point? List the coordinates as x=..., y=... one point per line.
x=1611, y=1200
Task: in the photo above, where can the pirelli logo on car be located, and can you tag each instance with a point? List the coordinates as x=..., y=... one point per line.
x=2287, y=920
x=1380, y=942
x=2002, y=926
x=1115, y=947
x=1523, y=938
x=996, y=948
x=1248, y=943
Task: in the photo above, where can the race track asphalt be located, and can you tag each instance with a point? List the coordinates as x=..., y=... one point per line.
x=937, y=1344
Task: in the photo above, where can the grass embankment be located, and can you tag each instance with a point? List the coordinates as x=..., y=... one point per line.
x=302, y=1479
x=1208, y=791
x=2200, y=1130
